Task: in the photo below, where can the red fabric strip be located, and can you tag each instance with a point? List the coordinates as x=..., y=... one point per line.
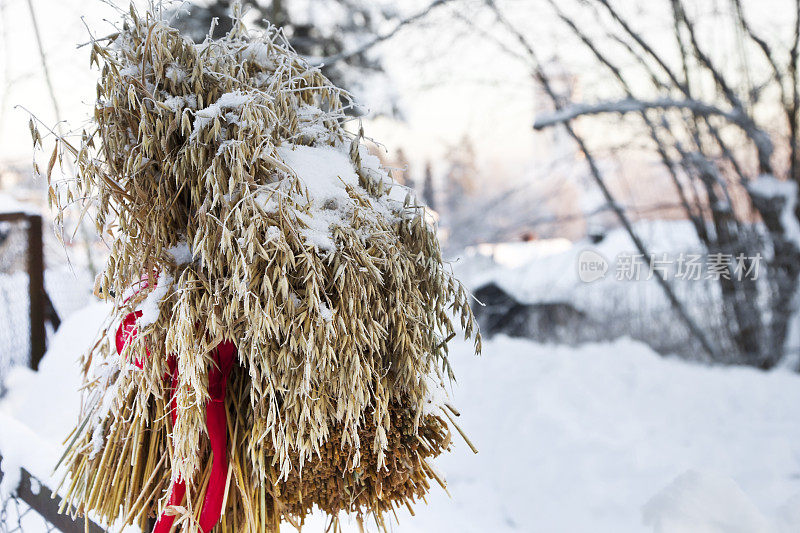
x=178, y=488
x=126, y=332
x=216, y=423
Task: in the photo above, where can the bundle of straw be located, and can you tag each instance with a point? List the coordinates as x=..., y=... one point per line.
x=243, y=213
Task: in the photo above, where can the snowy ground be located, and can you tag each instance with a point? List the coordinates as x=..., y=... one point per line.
x=600, y=438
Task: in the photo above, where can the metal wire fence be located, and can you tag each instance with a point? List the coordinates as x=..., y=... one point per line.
x=17, y=516
x=14, y=300
x=23, y=331
x=33, y=508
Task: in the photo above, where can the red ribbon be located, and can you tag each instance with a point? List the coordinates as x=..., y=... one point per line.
x=216, y=423
x=178, y=488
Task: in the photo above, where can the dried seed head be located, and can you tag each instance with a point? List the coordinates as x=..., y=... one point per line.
x=335, y=295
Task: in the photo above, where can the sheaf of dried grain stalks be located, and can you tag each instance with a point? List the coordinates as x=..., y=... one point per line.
x=338, y=349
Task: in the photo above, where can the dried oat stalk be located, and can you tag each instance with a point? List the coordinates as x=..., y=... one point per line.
x=243, y=210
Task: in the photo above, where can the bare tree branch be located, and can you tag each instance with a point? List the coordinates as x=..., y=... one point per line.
x=676, y=29
x=793, y=109
x=668, y=163
x=706, y=61
x=634, y=105
x=631, y=105
x=599, y=180
x=344, y=56
x=642, y=43
x=762, y=141
x=762, y=45
x=48, y=79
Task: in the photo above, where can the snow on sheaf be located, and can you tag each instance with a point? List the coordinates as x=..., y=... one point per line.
x=134, y=289
x=326, y=172
x=150, y=306
x=318, y=228
x=273, y=232
x=181, y=253
x=175, y=73
x=311, y=121
x=268, y=201
x=260, y=54
x=131, y=70
x=325, y=312
x=101, y=399
x=371, y=165
x=176, y=103
x=98, y=436
x=435, y=397
x=228, y=101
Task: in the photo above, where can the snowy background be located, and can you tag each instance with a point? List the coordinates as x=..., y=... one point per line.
x=593, y=407
x=604, y=437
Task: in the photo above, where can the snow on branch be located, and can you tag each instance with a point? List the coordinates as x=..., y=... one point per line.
x=344, y=56
x=631, y=105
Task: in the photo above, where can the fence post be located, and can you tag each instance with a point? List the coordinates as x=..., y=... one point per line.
x=36, y=294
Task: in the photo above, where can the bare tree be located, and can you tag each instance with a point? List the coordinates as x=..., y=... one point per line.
x=735, y=169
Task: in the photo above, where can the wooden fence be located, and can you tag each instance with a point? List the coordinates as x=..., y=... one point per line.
x=45, y=503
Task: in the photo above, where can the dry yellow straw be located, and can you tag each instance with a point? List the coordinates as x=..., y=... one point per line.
x=242, y=210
